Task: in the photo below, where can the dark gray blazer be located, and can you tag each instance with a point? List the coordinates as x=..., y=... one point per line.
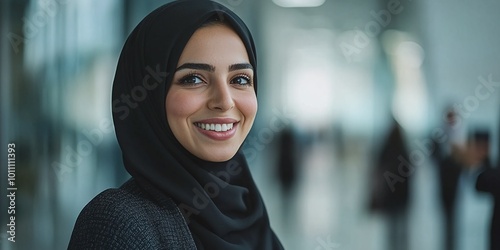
x=130, y=218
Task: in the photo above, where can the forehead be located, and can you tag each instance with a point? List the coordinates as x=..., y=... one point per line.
x=215, y=43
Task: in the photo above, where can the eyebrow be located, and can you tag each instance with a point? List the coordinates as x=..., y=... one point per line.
x=200, y=66
x=211, y=68
x=239, y=66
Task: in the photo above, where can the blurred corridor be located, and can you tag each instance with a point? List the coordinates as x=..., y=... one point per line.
x=335, y=73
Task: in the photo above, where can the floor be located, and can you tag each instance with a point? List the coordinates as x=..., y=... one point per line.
x=328, y=208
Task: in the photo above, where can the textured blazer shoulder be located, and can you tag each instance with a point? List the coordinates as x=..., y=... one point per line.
x=130, y=218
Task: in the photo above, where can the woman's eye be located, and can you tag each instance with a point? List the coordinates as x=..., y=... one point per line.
x=241, y=80
x=191, y=80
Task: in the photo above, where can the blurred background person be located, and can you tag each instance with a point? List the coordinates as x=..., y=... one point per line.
x=489, y=181
x=287, y=167
x=472, y=208
x=448, y=156
x=324, y=64
x=391, y=187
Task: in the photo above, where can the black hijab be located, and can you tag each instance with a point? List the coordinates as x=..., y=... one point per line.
x=219, y=200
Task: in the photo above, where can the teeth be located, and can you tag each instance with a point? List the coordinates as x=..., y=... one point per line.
x=215, y=127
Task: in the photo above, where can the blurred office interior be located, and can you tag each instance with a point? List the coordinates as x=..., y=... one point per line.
x=336, y=75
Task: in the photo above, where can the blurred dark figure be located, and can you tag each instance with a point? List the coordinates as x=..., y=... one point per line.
x=287, y=165
x=488, y=181
x=390, y=191
x=448, y=156
x=450, y=169
x=339, y=141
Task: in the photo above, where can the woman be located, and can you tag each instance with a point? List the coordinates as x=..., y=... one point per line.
x=184, y=100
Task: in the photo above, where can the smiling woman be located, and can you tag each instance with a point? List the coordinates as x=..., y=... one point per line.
x=211, y=104
x=190, y=186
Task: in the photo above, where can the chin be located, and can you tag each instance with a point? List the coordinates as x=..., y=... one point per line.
x=223, y=158
x=210, y=156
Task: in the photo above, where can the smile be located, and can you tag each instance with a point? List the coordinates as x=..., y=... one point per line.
x=214, y=126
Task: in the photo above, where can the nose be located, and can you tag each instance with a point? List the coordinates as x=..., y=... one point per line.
x=221, y=98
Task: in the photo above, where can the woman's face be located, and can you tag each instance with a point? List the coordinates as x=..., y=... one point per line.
x=211, y=103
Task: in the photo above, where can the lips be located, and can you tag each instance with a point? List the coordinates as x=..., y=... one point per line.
x=217, y=128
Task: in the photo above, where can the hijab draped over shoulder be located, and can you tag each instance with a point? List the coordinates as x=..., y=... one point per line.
x=219, y=200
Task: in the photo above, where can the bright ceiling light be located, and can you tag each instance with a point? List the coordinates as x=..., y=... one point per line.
x=299, y=3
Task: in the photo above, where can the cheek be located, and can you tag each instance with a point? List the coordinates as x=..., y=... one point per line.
x=248, y=105
x=180, y=106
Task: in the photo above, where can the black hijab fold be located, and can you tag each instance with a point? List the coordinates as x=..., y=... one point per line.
x=219, y=200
